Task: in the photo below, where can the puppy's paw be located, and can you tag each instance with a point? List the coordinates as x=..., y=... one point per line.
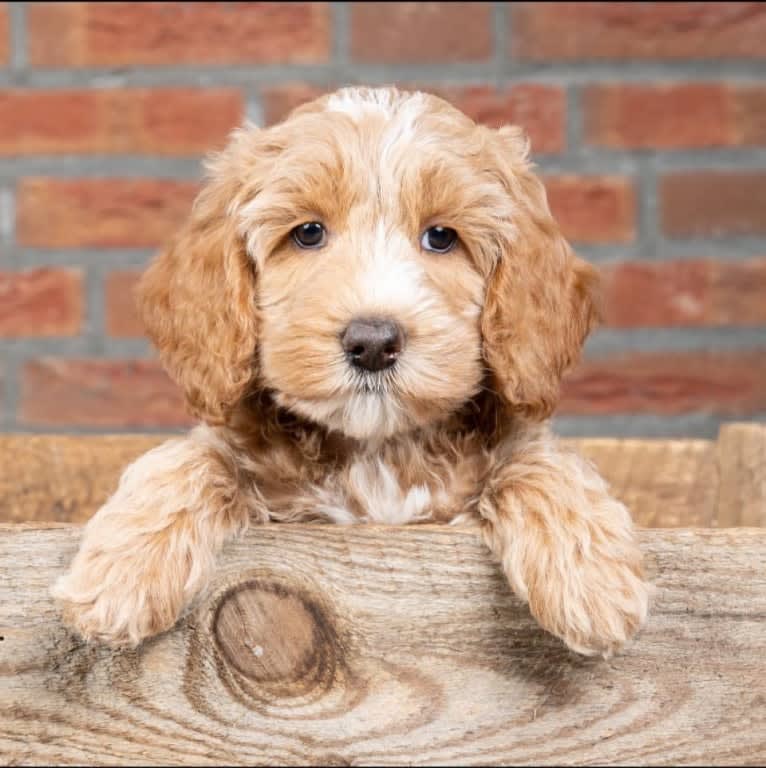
x=120, y=598
x=597, y=607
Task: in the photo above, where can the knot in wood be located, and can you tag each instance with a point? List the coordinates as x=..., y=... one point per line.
x=272, y=634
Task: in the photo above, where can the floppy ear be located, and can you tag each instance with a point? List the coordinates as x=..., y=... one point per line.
x=542, y=300
x=197, y=302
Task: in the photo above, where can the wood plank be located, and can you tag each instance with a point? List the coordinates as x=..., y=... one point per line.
x=63, y=478
x=741, y=457
x=360, y=645
x=665, y=483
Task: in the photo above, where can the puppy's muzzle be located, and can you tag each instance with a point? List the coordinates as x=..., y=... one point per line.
x=372, y=344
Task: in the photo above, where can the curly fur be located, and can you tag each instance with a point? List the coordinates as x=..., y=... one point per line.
x=248, y=324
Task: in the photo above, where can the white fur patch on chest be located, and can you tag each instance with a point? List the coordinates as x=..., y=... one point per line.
x=376, y=491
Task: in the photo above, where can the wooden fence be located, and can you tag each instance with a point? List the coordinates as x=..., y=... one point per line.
x=374, y=645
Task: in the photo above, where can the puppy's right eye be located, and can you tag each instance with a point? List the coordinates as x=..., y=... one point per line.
x=439, y=239
x=312, y=234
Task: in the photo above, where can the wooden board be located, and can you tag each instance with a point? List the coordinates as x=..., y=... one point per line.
x=741, y=457
x=62, y=478
x=332, y=645
x=665, y=483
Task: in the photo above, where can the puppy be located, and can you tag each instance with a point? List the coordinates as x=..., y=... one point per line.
x=369, y=309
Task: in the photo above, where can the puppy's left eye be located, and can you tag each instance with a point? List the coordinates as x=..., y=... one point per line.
x=439, y=239
x=312, y=234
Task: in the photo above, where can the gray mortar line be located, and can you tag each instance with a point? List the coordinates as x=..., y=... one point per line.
x=254, y=112
x=18, y=36
x=74, y=347
x=594, y=160
x=648, y=226
x=341, y=36
x=511, y=70
x=131, y=348
x=58, y=429
x=102, y=166
x=110, y=259
x=499, y=19
x=637, y=71
x=701, y=424
x=728, y=250
x=7, y=217
x=618, y=342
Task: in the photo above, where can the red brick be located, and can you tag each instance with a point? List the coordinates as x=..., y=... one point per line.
x=4, y=34
x=168, y=121
x=41, y=302
x=690, y=293
x=421, y=32
x=121, y=313
x=663, y=116
x=100, y=212
x=673, y=116
x=99, y=393
x=278, y=101
x=725, y=383
x=750, y=115
x=125, y=34
x=713, y=203
x=540, y=109
x=593, y=209
x=570, y=31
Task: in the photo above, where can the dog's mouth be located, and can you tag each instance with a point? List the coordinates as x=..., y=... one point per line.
x=379, y=383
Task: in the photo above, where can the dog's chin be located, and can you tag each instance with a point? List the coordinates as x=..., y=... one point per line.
x=365, y=413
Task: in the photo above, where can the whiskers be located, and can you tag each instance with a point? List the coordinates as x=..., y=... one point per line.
x=369, y=382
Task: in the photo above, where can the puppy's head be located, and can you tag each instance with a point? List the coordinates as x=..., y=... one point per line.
x=373, y=262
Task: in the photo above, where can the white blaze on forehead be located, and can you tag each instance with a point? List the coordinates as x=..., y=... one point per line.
x=401, y=130
x=358, y=101
x=401, y=109
x=390, y=278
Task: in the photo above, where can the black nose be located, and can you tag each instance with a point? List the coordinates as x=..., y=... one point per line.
x=372, y=343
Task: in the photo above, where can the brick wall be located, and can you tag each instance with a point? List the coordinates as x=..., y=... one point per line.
x=648, y=122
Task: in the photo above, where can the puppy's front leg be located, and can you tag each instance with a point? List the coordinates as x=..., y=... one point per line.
x=152, y=546
x=566, y=546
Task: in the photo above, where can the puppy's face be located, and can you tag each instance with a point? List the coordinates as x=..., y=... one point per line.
x=379, y=260
x=370, y=299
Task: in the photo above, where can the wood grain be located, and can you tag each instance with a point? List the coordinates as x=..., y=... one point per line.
x=665, y=483
x=62, y=478
x=360, y=645
x=741, y=457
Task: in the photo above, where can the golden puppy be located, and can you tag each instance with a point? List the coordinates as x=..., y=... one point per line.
x=370, y=309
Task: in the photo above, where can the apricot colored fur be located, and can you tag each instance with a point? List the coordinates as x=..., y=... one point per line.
x=248, y=324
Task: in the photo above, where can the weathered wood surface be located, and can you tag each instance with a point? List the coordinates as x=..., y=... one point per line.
x=361, y=645
x=741, y=457
x=62, y=478
x=665, y=483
